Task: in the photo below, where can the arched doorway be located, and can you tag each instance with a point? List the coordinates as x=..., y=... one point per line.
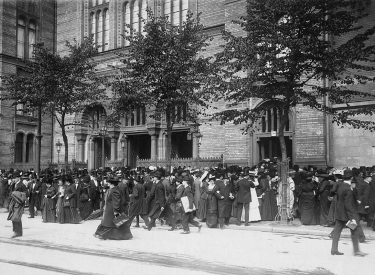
x=266, y=143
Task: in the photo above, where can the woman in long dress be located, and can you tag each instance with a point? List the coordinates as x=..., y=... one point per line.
x=112, y=208
x=202, y=204
x=71, y=214
x=85, y=199
x=254, y=214
x=49, y=213
x=211, y=204
x=308, y=215
x=268, y=209
x=60, y=200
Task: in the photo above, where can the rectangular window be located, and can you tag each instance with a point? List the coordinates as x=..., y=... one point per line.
x=175, y=20
x=100, y=32
x=167, y=8
x=32, y=35
x=106, y=30
x=21, y=39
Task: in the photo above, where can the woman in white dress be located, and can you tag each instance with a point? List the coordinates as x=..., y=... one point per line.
x=254, y=214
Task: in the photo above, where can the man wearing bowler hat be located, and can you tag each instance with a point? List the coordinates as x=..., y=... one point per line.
x=346, y=212
x=17, y=204
x=157, y=196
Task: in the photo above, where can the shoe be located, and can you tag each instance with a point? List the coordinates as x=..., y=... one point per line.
x=336, y=253
x=238, y=224
x=247, y=224
x=137, y=225
x=15, y=235
x=360, y=254
x=145, y=227
x=185, y=232
x=199, y=228
x=171, y=229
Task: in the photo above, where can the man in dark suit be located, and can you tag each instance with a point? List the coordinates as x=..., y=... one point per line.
x=345, y=211
x=157, y=196
x=95, y=188
x=363, y=196
x=34, y=192
x=188, y=213
x=225, y=201
x=244, y=198
x=370, y=221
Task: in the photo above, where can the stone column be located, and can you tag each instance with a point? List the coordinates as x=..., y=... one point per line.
x=81, y=139
x=153, y=147
x=91, y=155
x=24, y=142
x=114, y=147
x=195, y=145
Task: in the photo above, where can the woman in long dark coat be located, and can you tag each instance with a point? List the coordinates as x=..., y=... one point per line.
x=308, y=214
x=86, y=198
x=211, y=204
x=60, y=201
x=112, y=208
x=268, y=209
x=138, y=202
x=325, y=203
x=71, y=214
x=202, y=205
x=49, y=209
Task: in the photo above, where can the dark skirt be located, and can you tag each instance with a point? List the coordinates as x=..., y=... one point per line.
x=48, y=214
x=113, y=233
x=85, y=209
x=268, y=210
x=202, y=209
x=60, y=210
x=71, y=215
x=211, y=220
x=324, y=207
x=308, y=213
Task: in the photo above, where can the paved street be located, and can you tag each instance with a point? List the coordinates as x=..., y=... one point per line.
x=71, y=249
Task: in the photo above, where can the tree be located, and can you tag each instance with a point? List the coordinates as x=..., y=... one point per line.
x=165, y=69
x=286, y=54
x=57, y=85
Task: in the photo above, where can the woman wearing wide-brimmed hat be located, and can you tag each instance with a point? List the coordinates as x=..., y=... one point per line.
x=112, y=208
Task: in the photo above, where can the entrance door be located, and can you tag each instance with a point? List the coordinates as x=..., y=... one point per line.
x=139, y=146
x=98, y=151
x=269, y=147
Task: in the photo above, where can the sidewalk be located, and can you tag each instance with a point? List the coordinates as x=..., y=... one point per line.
x=295, y=227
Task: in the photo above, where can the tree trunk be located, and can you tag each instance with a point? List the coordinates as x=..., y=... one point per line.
x=169, y=139
x=66, y=144
x=283, y=166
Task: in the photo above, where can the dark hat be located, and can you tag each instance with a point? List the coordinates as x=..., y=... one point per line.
x=156, y=174
x=211, y=177
x=16, y=174
x=86, y=179
x=25, y=175
x=347, y=174
x=113, y=179
x=185, y=178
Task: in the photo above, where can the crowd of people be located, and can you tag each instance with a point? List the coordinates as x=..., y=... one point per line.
x=186, y=196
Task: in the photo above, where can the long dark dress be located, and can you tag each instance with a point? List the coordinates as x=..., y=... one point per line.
x=60, y=205
x=211, y=208
x=308, y=214
x=268, y=210
x=202, y=204
x=71, y=214
x=107, y=229
x=49, y=209
x=324, y=202
x=85, y=207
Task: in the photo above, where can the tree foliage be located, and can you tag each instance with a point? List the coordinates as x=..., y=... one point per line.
x=58, y=85
x=288, y=52
x=165, y=68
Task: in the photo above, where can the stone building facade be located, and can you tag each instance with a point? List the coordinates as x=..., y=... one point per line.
x=22, y=24
x=310, y=136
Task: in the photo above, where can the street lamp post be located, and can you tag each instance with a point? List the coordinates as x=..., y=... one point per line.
x=103, y=133
x=58, y=148
x=123, y=145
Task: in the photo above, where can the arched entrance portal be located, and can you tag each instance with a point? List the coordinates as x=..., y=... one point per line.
x=266, y=143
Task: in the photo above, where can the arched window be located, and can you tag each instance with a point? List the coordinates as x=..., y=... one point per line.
x=18, y=150
x=32, y=36
x=126, y=22
x=106, y=30
x=99, y=32
x=135, y=16
x=21, y=27
x=93, y=27
x=30, y=148
x=143, y=14
x=176, y=11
